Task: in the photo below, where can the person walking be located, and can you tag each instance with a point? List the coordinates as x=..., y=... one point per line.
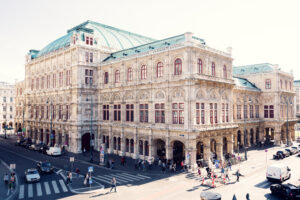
x=199, y=171
x=5, y=178
x=123, y=161
x=68, y=178
x=163, y=168
x=77, y=172
x=238, y=175
x=86, y=179
x=84, y=151
x=247, y=196
x=113, y=184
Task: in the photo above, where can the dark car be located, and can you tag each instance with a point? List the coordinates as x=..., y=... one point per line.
x=44, y=167
x=287, y=191
x=286, y=153
x=43, y=149
x=35, y=147
x=291, y=151
x=279, y=155
x=26, y=143
x=296, y=149
x=19, y=142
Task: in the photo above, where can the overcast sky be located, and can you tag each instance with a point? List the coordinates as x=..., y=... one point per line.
x=257, y=30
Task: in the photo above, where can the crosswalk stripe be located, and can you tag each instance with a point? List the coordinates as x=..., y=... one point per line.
x=21, y=193
x=118, y=180
x=39, y=189
x=102, y=180
x=108, y=179
x=56, y=190
x=47, y=188
x=30, y=191
x=130, y=178
x=63, y=186
x=137, y=175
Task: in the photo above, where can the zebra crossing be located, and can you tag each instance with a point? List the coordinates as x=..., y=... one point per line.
x=122, y=178
x=39, y=189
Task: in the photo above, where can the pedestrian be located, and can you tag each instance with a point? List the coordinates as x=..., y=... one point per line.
x=12, y=180
x=86, y=179
x=234, y=197
x=5, y=178
x=182, y=165
x=163, y=168
x=227, y=175
x=199, y=171
x=84, y=151
x=247, y=196
x=159, y=162
x=123, y=161
x=174, y=167
x=112, y=164
x=229, y=165
x=238, y=175
x=113, y=184
x=77, y=172
x=68, y=178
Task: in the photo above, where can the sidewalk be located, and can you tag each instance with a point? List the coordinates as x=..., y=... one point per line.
x=4, y=192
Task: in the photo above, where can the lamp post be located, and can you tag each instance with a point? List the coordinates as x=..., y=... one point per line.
x=245, y=131
x=5, y=119
x=288, y=101
x=51, y=134
x=91, y=130
x=23, y=118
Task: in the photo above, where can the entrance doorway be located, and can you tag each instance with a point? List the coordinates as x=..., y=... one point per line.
x=178, y=151
x=161, y=149
x=85, y=142
x=200, y=150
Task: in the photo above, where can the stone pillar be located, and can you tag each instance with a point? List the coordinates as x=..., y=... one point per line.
x=44, y=136
x=206, y=156
x=123, y=145
x=38, y=136
x=248, y=139
x=230, y=144
x=150, y=144
x=136, y=145
x=193, y=152
x=169, y=149
x=277, y=135
x=254, y=138
x=110, y=140
x=235, y=140
x=219, y=149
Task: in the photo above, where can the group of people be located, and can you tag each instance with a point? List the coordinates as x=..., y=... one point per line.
x=110, y=163
x=10, y=180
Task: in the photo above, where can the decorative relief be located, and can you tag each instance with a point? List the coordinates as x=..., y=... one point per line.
x=105, y=97
x=178, y=93
x=129, y=96
x=143, y=95
x=159, y=95
x=200, y=95
x=117, y=97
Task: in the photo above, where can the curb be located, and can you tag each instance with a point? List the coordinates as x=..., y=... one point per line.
x=13, y=194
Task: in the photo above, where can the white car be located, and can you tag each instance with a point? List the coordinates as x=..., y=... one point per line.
x=32, y=175
x=54, y=151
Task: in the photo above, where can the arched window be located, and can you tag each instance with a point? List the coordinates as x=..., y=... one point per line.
x=160, y=69
x=224, y=71
x=177, y=67
x=143, y=72
x=129, y=74
x=117, y=76
x=200, y=66
x=213, y=69
x=105, y=77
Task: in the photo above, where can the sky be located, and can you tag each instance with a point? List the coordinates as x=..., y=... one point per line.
x=258, y=31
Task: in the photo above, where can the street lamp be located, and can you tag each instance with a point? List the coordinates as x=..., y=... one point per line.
x=51, y=134
x=5, y=118
x=23, y=117
x=91, y=130
x=245, y=131
x=288, y=101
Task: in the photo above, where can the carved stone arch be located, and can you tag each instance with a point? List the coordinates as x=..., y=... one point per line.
x=178, y=93
x=159, y=95
x=129, y=95
x=224, y=96
x=143, y=95
x=200, y=94
x=117, y=97
x=213, y=94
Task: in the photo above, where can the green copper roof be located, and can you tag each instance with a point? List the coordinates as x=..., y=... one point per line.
x=297, y=82
x=110, y=37
x=252, y=69
x=242, y=82
x=149, y=46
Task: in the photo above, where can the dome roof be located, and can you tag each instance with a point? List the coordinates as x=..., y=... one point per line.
x=112, y=38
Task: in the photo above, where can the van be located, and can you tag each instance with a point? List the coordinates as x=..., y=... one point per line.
x=278, y=172
x=54, y=151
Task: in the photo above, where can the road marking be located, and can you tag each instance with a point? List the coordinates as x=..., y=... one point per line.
x=119, y=179
x=47, y=188
x=130, y=178
x=39, y=189
x=63, y=186
x=58, y=171
x=30, y=191
x=21, y=193
x=137, y=175
x=56, y=190
x=102, y=179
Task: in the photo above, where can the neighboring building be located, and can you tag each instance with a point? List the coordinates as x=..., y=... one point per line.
x=174, y=98
x=297, y=89
x=19, y=106
x=7, y=99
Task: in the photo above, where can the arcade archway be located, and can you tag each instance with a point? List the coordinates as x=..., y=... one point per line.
x=85, y=142
x=178, y=151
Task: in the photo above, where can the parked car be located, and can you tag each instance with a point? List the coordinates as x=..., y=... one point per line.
x=279, y=155
x=54, y=151
x=19, y=141
x=286, y=191
x=35, y=147
x=44, y=167
x=32, y=175
x=286, y=153
x=291, y=152
x=296, y=149
x=27, y=143
x=43, y=149
x=278, y=172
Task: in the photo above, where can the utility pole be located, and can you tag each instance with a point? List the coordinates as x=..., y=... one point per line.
x=23, y=118
x=5, y=119
x=51, y=134
x=91, y=130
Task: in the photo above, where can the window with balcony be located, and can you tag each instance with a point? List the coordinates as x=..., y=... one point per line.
x=200, y=66
x=144, y=113
x=159, y=69
x=105, y=77
x=105, y=112
x=178, y=67
x=88, y=77
x=129, y=112
x=213, y=69
x=143, y=72
x=129, y=74
x=117, y=112
x=178, y=113
x=117, y=76
x=200, y=113
x=159, y=113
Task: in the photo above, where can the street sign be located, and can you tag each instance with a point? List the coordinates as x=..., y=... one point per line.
x=91, y=169
x=182, y=135
x=72, y=159
x=12, y=166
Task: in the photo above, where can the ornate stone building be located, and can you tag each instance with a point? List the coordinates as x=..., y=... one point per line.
x=7, y=99
x=174, y=98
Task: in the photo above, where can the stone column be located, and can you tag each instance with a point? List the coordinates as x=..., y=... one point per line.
x=169, y=149
x=230, y=144
x=44, y=136
x=277, y=135
x=193, y=152
x=136, y=144
x=235, y=140
x=206, y=156
x=110, y=140
x=248, y=139
x=123, y=145
x=150, y=144
x=219, y=149
x=254, y=137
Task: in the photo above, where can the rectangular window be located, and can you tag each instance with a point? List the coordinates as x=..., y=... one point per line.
x=178, y=113
x=42, y=112
x=251, y=111
x=48, y=81
x=268, y=84
x=68, y=72
x=129, y=113
x=67, y=112
x=87, y=57
x=211, y=113
x=60, y=79
x=53, y=112
x=91, y=41
x=198, y=111
x=105, y=112
x=117, y=112
x=159, y=113
x=238, y=112
x=88, y=77
x=54, y=81
x=223, y=112
x=144, y=113
x=91, y=58
x=266, y=111
x=227, y=112
x=60, y=112
x=42, y=82
x=257, y=111
x=216, y=113
x=37, y=83
x=202, y=113
x=245, y=111
x=47, y=112
x=271, y=113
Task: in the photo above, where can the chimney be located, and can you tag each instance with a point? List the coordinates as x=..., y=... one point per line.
x=188, y=36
